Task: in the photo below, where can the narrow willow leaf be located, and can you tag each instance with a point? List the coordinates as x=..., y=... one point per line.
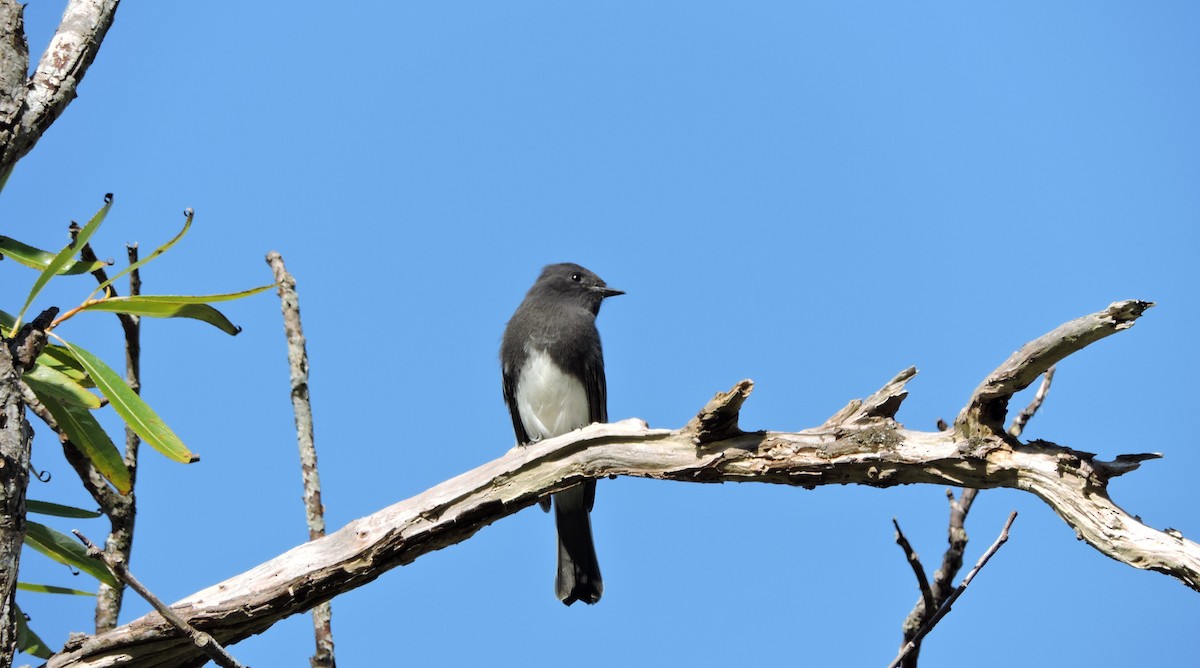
x=66, y=550
x=136, y=413
x=43, y=379
x=28, y=641
x=60, y=359
x=58, y=510
x=37, y=258
x=51, y=589
x=187, y=223
x=61, y=259
x=157, y=309
x=90, y=439
x=201, y=299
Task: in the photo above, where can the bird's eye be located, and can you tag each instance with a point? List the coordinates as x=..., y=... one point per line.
x=576, y=277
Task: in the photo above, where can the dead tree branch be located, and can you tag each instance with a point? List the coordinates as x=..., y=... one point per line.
x=302, y=407
x=29, y=104
x=863, y=445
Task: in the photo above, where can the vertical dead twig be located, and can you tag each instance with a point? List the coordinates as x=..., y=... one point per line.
x=204, y=641
x=314, y=510
x=121, y=510
x=942, y=587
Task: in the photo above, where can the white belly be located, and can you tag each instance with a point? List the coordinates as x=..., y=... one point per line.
x=549, y=401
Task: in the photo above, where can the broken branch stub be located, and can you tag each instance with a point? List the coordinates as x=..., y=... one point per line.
x=718, y=420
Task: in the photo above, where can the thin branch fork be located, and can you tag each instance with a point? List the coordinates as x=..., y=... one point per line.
x=211, y=648
x=873, y=451
x=945, y=608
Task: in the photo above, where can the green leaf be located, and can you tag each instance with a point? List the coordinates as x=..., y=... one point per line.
x=90, y=438
x=155, y=309
x=58, y=510
x=40, y=259
x=27, y=640
x=51, y=589
x=43, y=379
x=176, y=306
x=136, y=413
x=187, y=223
x=66, y=550
x=61, y=259
x=201, y=299
x=59, y=358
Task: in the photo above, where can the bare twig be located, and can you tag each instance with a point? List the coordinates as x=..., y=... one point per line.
x=945, y=607
x=1019, y=422
x=123, y=513
x=915, y=562
x=204, y=641
x=301, y=406
x=121, y=510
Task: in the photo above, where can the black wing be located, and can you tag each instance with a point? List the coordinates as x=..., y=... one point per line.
x=597, y=390
x=510, y=400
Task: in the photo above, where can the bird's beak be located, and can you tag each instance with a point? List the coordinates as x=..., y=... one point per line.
x=606, y=291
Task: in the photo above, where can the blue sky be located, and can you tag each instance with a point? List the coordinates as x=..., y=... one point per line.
x=811, y=195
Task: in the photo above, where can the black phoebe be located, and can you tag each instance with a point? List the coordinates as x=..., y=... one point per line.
x=554, y=383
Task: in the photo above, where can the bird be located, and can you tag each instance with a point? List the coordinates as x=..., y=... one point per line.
x=553, y=376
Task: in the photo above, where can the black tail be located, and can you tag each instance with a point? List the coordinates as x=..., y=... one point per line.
x=578, y=571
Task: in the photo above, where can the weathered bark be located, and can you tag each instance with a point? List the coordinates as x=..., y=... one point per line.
x=16, y=436
x=861, y=444
x=30, y=104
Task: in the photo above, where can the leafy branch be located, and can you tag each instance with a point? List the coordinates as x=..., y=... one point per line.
x=64, y=383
